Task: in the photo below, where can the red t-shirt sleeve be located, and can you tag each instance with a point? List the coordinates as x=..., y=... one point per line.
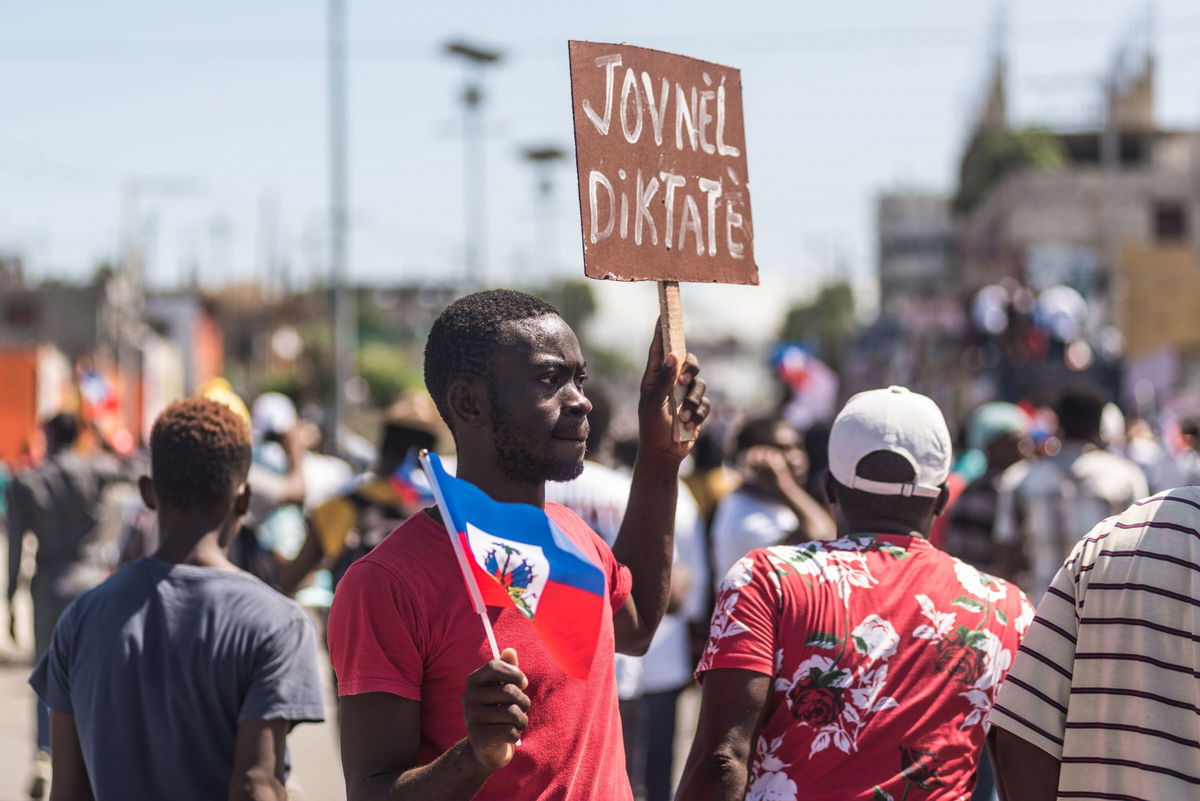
x=375, y=640
x=745, y=618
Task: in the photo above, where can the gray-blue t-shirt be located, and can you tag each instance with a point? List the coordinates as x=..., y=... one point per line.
x=160, y=663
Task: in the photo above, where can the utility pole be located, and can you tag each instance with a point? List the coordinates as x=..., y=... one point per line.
x=543, y=160
x=474, y=162
x=345, y=332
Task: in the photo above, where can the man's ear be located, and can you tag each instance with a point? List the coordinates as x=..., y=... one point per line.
x=827, y=484
x=241, y=504
x=468, y=402
x=146, y=488
x=943, y=499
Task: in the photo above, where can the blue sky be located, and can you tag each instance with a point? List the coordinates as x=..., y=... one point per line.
x=218, y=110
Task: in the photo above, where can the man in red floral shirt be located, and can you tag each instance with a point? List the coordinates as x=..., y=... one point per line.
x=862, y=668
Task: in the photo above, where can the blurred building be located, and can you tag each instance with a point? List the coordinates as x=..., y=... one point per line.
x=917, y=340
x=1108, y=207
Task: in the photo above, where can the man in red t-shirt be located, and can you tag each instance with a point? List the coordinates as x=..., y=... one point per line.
x=861, y=669
x=425, y=713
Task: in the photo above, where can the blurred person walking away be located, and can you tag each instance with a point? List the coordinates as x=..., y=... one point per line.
x=1101, y=701
x=425, y=712
x=1042, y=504
x=346, y=527
x=1145, y=449
x=274, y=531
x=648, y=686
x=59, y=503
x=180, y=676
x=999, y=431
x=771, y=507
x=861, y=668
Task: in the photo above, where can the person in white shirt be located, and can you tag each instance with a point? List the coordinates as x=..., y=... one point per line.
x=771, y=507
x=1043, y=504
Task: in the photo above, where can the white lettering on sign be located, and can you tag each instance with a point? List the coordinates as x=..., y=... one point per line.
x=597, y=179
x=630, y=82
x=692, y=211
x=610, y=64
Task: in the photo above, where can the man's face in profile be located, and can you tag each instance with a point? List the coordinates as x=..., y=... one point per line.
x=539, y=410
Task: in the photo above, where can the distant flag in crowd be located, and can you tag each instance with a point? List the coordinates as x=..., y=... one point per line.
x=97, y=396
x=814, y=385
x=512, y=554
x=410, y=484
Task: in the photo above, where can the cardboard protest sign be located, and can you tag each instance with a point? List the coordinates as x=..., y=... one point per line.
x=660, y=148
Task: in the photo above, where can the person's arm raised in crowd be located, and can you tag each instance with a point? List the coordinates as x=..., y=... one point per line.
x=69, y=777
x=258, y=761
x=307, y=560
x=295, y=446
x=381, y=739
x=1024, y=772
x=731, y=709
x=645, y=541
x=772, y=472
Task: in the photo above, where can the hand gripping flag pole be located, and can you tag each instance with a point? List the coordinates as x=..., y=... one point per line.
x=460, y=552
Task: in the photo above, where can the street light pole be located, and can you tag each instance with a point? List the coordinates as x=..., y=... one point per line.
x=543, y=160
x=474, y=161
x=345, y=334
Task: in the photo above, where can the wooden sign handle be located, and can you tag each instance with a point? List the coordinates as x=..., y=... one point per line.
x=671, y=319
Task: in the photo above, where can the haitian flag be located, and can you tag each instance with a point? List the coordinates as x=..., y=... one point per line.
x=409, y=483
x=512, y=554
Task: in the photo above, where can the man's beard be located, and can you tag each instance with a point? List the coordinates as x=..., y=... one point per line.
x=517, y=460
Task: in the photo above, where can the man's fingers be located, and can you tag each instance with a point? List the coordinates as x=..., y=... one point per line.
x=691, y=367
x=497, y=695
x=655, y=357
x=509, y=655
x=498, y=672
x=695, y=394
x=659, y=383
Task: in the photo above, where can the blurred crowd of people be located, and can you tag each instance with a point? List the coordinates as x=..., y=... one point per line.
x=1027, y=482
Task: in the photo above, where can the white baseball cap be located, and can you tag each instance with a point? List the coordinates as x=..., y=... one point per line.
x=897, y=421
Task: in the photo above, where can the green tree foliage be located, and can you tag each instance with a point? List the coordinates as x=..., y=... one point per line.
x=1002, y=154
x=574, y=299
x=827, y=322
x=388, y=371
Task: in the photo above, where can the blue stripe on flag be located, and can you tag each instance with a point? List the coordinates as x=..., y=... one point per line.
x=520, y=522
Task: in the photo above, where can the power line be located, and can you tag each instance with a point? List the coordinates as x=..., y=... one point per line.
x=414, y=50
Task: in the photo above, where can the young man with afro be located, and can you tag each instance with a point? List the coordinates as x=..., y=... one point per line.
x=426, y=714
x=180, y=676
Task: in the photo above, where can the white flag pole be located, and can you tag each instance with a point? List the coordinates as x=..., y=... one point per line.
x=463, y=564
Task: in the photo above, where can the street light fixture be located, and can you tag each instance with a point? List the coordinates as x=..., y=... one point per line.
x=543, y=159
x=477, y=60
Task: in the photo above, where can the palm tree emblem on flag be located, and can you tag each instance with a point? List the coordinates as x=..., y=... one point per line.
x=514, y=574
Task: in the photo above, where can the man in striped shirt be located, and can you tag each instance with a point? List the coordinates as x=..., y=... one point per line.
x=1102, y=700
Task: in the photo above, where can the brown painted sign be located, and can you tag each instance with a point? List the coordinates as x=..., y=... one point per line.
x=661, y=153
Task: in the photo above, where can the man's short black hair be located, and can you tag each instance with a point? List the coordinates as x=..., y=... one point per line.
x=1080, y=409
x=891, y=468
x=466, y=333
x=199, y=453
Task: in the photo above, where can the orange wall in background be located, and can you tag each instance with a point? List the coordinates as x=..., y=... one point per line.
x=18, y=401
